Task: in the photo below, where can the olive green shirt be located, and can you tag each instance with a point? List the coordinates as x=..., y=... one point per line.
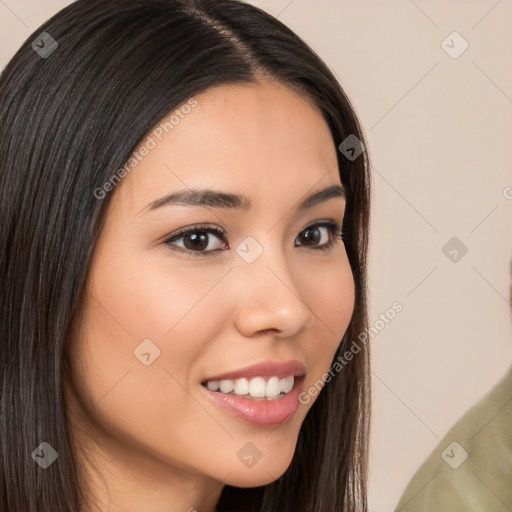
x=471, y=468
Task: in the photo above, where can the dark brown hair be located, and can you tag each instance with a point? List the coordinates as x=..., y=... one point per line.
x=70, y=120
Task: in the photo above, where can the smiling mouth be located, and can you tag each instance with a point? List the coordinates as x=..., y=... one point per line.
x=255, y=388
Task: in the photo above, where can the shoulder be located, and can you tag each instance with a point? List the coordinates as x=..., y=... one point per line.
x=471, y=467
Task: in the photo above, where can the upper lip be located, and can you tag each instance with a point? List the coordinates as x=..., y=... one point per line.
x=264, y=369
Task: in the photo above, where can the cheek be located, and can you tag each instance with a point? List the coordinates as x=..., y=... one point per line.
x=178, y=311
x=148, y=407
x=331, y=299
x=138, y=298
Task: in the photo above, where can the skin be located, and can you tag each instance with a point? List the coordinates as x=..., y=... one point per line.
x=147, y=435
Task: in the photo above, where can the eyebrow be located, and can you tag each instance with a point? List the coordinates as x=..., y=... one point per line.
x=207, y=197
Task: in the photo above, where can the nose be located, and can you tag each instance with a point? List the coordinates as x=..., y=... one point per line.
x=268, y=296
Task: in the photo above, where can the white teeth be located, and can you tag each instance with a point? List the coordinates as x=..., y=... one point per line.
x=226, y=386
x=286, y=384
x=213, y=385
x=241, y=387
x=256, y=387
x=272, y=389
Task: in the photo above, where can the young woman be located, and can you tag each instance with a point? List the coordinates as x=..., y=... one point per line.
x=184, y=198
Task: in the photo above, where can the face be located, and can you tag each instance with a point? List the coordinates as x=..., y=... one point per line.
x=268, y=283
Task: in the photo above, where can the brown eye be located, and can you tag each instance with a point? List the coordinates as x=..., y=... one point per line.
x=312, y=236
x=196, y=240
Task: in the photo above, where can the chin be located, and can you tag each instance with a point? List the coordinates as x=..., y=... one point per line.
x=256, y=476
x=271, y=465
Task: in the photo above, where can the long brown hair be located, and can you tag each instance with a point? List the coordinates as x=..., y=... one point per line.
x=70, y=120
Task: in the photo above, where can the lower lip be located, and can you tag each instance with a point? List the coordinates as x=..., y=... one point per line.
x=259, y=412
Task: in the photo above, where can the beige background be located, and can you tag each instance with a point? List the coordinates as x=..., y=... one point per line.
x=439, y=130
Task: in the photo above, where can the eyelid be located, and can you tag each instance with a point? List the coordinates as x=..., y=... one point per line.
x=195, y=227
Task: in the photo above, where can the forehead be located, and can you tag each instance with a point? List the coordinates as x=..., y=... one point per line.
x=262, y=140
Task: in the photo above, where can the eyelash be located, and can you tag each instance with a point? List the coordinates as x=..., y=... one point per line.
x=334, y=228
